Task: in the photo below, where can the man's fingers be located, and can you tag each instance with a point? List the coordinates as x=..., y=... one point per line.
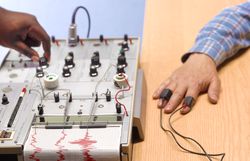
x=175, y=99
x=192, y=92
x=170, y=87
x=32, y=42
x=24, y=49
x=163, y=85
x=40, y=34
x=214, y=90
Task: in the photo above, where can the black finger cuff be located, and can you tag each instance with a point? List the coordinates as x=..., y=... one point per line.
x=166, y=94
x=189, y=101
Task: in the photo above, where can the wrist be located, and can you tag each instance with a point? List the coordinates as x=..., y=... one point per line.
x=201, y=57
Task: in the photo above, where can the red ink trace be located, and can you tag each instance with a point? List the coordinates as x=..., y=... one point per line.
x=85, y=143
x=36, y=149
x=60, y=153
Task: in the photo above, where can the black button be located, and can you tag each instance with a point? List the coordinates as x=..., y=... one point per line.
x=5, y=100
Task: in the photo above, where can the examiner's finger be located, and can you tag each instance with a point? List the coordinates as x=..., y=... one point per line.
x=40, y=34
x=24, y=49
x=193, y=92
x=176, y=99
x=158, y=91
x=31, y=42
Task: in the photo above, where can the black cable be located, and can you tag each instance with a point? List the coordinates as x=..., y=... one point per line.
x=186, y=138
x=88, y=15
x=205, y=153
x=189, y=138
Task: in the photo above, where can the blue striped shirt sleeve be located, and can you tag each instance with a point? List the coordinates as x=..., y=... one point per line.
x=225, y=35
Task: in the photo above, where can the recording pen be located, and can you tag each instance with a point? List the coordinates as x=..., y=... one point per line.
x=13, y=115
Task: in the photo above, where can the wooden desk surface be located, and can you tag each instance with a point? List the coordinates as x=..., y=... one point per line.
x=170, y=30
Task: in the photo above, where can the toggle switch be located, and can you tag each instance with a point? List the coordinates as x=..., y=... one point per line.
x=39, y=72
x=66, y=72
x=56, y=97
x=40, y=109
x=108, y=95
x=120, y=69
x=125, y=46
x=93, y=71
x=95, y=60
x=118, y=108
x=43, y=63
x=121, y=61
x=69, y=62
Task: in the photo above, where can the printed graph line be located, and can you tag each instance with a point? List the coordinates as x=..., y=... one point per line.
x=36, y=149
x=86, y=144
x=61, y=156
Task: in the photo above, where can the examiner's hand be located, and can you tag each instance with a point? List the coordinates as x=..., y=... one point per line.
x=21, y=31
x=197, y=75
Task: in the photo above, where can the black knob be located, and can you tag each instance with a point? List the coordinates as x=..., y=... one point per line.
x=71, y=54
x=96, y=53
x=53, y=39
x=39, y=72
x=66, y=72
x=93, y=71
x=43, y=62
x=69, y=62
x=101, y=38
x=56, y=97
x=120, y=69
x=108, y=95
x=126, y=37
x=125, y=46
x=118, y=108
x=78, y=38
x=122, y=61
x=95, y=60
x=40, y=109
x=5, y=100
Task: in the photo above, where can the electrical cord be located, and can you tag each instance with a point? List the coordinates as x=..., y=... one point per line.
x=209, y=156
x=92, y=108
x=189, y=138
x=123, y=90
x=88, y=15
x=37, y=91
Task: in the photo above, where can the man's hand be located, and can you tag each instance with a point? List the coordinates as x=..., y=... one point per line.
x=196, y=76
x=21, y=31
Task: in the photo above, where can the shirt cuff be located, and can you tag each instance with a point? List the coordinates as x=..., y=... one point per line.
x=207, y=46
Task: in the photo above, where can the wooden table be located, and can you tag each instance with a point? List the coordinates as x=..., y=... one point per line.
x=170, y=30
